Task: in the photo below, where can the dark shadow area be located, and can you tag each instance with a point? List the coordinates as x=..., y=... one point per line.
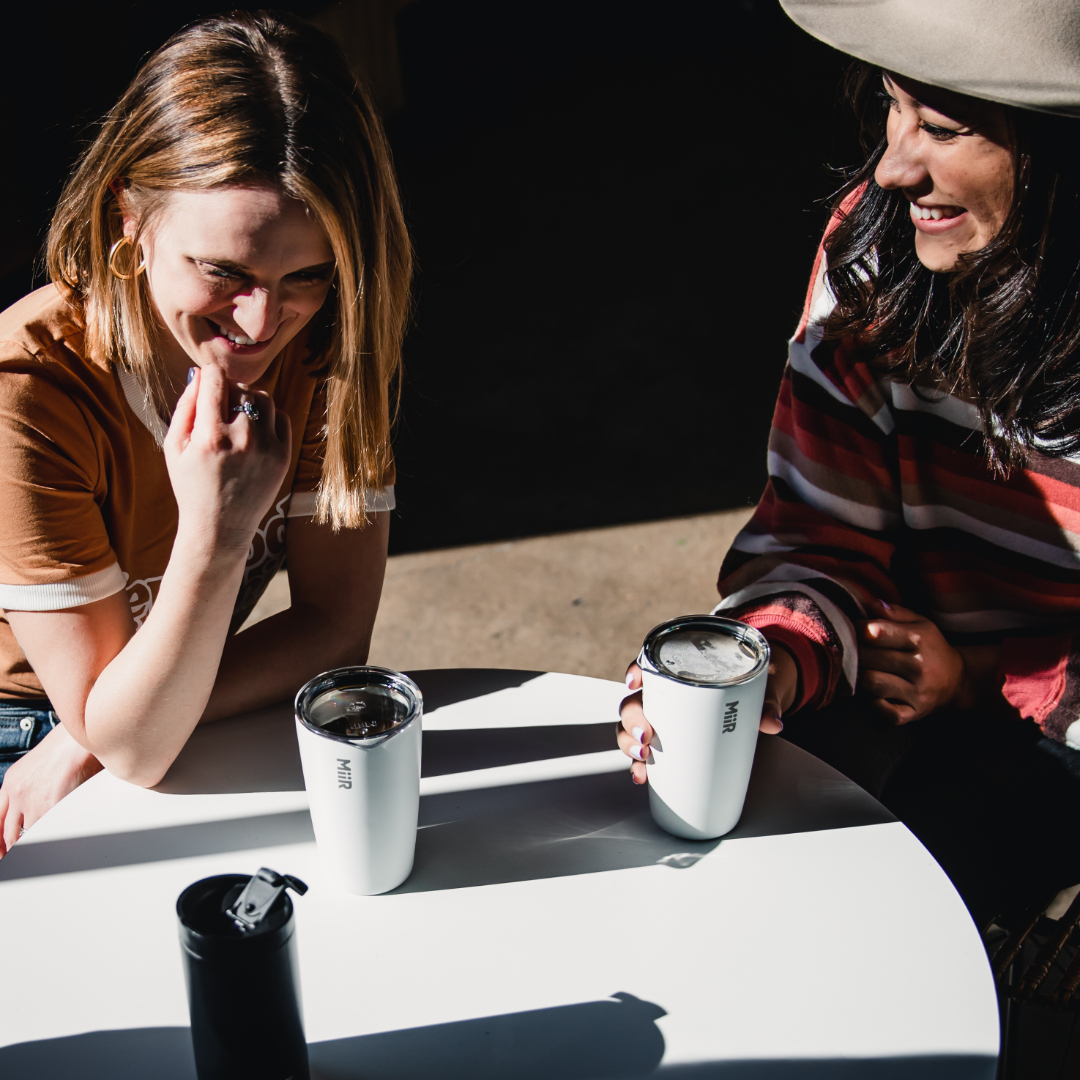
x=461, y=751
x=590, y=1041
x=614, y=206
x=254, y=752
x=589, y=824
x=516, y=832
x=258, y=752
x=919, y=1067
x=550, y=828
x=163, y=1053
x=594, y=1040
x=155, y=845
x=447, y=686
x=796, y=792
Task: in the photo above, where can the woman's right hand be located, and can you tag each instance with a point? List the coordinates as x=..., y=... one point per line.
x=39, y=780
x=635, y=732
x=225, y=467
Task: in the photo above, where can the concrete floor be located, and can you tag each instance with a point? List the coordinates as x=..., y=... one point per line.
x=577, y=602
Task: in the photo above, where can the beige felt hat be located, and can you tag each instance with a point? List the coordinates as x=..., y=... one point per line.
x=1018, y=52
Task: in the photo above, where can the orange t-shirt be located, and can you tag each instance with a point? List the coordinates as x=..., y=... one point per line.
x=86, y=506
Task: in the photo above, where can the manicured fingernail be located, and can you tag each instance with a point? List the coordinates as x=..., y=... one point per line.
x=639, y=734
x=629, y=679
x=638, y=752
x=887, y=607
x=873, y=630
x=781, y=723
x=190, y=375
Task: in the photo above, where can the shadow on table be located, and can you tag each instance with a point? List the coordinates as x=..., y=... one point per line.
x=448, y=686
x=921, y=1067
x=589, y=1041
x=587, y=824
x=515, y=832
x=155, y=845
x=257, y=751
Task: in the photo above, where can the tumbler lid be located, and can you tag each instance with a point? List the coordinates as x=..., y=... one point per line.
x=259, y=896
x=211, y=927
x=706, y=651
x=363, y=705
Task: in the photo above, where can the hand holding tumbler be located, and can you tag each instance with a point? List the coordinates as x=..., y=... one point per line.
x=702, y=688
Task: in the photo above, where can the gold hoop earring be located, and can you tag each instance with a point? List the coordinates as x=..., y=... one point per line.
x=114, y=250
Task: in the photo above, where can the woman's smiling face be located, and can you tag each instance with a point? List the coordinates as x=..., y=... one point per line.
x=235, y=273
x=951, y=157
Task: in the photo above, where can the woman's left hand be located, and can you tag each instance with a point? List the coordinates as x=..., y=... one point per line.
x=906, y=666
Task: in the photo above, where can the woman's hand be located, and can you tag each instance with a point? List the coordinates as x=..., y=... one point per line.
x=635, y=732
x=133, y=698
x=906, y=666
x=39, y=780
x=225, y=467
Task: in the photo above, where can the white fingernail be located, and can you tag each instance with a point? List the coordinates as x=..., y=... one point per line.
x=639, y=734
x=637, y=752
x=190, y=375
x=629, y=679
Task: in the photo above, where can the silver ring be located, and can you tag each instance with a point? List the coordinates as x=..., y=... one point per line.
x=248, y=410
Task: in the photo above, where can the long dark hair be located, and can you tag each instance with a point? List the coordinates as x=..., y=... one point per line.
x=1003, y=328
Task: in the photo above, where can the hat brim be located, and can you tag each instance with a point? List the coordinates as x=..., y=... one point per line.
x=992, y=50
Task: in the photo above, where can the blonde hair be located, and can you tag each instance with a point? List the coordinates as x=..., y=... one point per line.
x=254, y=98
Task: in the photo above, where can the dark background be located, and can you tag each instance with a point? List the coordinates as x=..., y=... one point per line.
x=614, y=205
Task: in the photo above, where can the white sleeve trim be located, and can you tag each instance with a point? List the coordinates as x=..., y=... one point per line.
x=140, y=406
x=302, y=503
x=63, y=594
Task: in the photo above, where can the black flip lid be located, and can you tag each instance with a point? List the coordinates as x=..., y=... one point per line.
x=233, y=914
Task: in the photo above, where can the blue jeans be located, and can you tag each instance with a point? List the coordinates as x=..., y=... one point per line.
x=23, y=724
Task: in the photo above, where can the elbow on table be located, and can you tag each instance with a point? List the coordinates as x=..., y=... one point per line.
x=135, y=769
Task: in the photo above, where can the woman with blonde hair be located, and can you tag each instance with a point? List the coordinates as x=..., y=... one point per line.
x=204, y=387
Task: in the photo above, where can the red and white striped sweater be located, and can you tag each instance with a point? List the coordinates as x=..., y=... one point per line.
x=878, y=491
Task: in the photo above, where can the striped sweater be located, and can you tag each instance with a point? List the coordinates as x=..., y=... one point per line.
x=878, y=491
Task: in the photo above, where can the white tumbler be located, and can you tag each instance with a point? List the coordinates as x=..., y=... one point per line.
x=359, y=730
x=703, y=685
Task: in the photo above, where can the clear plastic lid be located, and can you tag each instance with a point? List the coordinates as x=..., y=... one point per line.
x=358, y=703
x=706, y=650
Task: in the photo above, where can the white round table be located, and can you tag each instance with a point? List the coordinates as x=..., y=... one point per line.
x=549, y=929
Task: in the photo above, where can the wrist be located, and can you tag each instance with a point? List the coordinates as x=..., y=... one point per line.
x=978, y=678
x=208, y=553
x=787, y=675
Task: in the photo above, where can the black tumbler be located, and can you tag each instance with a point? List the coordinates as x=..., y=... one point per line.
x=236, y=935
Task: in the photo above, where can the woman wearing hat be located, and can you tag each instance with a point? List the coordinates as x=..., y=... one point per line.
x=203, y=387
x=915, y=559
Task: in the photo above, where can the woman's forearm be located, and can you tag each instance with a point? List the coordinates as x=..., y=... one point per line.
x=271, y=660
x=146, y=702
x=335, y=581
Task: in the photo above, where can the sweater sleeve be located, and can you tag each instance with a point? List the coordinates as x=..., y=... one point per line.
x=821, y=543
x=1041, y=680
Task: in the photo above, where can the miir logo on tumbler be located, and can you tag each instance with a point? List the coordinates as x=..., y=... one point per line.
x=731, y=713
x=344, y=773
